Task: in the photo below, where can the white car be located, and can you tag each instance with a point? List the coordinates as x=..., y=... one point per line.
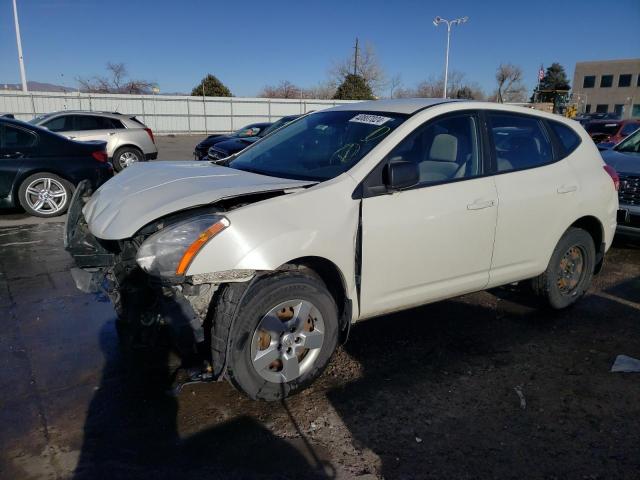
x=344, y=215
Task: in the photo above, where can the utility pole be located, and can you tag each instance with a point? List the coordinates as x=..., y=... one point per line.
x=355, y=58
x=23, y=75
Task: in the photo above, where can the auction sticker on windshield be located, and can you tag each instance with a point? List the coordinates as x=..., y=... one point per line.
x=370, y=119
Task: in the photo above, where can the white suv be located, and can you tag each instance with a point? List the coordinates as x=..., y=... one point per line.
x=343, y=215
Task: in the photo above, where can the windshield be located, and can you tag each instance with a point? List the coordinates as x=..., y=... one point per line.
x=631, y=144
x=603, y=127
x=319, y=146
x=38, y=119
x=276, y=125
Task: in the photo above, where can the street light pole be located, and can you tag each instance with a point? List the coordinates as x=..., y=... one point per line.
x=23, y=75
x=437, y=21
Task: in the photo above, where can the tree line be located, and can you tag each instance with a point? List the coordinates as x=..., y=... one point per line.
x=359, y=77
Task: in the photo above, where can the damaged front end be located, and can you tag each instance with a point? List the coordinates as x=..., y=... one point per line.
x=144, y=276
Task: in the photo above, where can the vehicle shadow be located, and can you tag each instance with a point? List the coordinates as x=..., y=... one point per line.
x=131, y=429
x=465, y=390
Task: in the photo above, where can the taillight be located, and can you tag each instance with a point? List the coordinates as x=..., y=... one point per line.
x=614, y=176
x=100, y=156
x=150, y=133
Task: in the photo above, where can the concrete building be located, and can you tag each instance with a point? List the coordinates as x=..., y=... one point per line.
x=608, y=86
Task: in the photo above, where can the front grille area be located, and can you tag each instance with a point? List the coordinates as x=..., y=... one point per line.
x=629, y=193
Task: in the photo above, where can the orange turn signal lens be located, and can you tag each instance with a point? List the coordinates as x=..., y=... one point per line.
x=195, y=247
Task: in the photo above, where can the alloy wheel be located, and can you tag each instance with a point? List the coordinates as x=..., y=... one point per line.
x=46, y=196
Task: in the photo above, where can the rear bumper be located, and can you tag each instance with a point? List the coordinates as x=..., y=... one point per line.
x=151, y=156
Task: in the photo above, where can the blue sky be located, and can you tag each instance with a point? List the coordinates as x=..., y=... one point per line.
x=249, y=44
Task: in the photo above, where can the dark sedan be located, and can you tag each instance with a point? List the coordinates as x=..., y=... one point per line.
x=625, y=158
x=201, y=149
x=229, y=147
x=39, y=169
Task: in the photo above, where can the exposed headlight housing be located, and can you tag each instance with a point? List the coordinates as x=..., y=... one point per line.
x=169, y=252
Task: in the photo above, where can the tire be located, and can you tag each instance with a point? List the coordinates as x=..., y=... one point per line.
x=45, y=195
x=303, y=313
x=125, y=156
x=570, y=270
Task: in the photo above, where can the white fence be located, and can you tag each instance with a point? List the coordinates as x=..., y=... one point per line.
x=164, y=113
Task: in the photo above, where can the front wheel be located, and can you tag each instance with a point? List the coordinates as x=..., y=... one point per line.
x=283, y=336
x=570, y=270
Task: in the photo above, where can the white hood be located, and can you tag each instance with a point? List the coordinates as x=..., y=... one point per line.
x=144, y=192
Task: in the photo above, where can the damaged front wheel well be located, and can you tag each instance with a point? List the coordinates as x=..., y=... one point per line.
x=229, y=296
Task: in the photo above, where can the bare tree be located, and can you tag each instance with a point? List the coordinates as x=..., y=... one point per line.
x=510, y=88
x=366, y=65
x=285, y=89
x=322, y=91
x=394, y=84
x=432, y=87
x=116, y=81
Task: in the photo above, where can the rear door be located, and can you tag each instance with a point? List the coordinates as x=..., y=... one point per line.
x=537, y=195
x=92, y=127
x=16, y=145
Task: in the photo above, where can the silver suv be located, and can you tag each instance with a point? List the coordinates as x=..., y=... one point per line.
x=128, y=139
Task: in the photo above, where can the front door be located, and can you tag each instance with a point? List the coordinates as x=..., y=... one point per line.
x=433, y=240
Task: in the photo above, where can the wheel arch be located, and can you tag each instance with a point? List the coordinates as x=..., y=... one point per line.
x=126, y=145
x=333, y=278
x=593, y=227
x=23, y=175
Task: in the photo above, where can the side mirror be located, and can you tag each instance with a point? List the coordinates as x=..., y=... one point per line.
x=401, y=174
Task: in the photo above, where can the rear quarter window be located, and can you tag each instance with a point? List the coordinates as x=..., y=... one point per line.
x=567, y=137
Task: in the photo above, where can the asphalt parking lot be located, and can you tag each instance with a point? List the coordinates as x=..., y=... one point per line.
x=483, y=386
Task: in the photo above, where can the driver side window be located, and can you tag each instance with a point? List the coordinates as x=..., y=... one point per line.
x=444, y=149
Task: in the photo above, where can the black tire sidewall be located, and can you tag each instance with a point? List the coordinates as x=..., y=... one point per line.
x=22, y=194
x=581, y=239
x=116, y=157
x=262, y=297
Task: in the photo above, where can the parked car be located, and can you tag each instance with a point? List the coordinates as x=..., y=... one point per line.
x=611, y=131
x=625, y=158
x=128, y=139
x=202, y=148
x=589, y=117
x=39, y=169
x=343, y=215
x=230, y=147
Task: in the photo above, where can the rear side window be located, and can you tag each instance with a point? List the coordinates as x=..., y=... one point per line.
x=519, y=141
x=568, y=138
x=93, y=122
x=134, y=119
x=13, y=138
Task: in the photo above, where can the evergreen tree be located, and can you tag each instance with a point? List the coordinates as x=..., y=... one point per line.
x=212, y=88
x=554, y=80
x=354, y=87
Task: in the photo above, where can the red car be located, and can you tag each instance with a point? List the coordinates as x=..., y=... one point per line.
x=611, y=131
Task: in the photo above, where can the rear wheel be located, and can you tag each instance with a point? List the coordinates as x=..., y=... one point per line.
x=45, y=195
x=283, y=335
x=570, y=270
x=125, y=157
